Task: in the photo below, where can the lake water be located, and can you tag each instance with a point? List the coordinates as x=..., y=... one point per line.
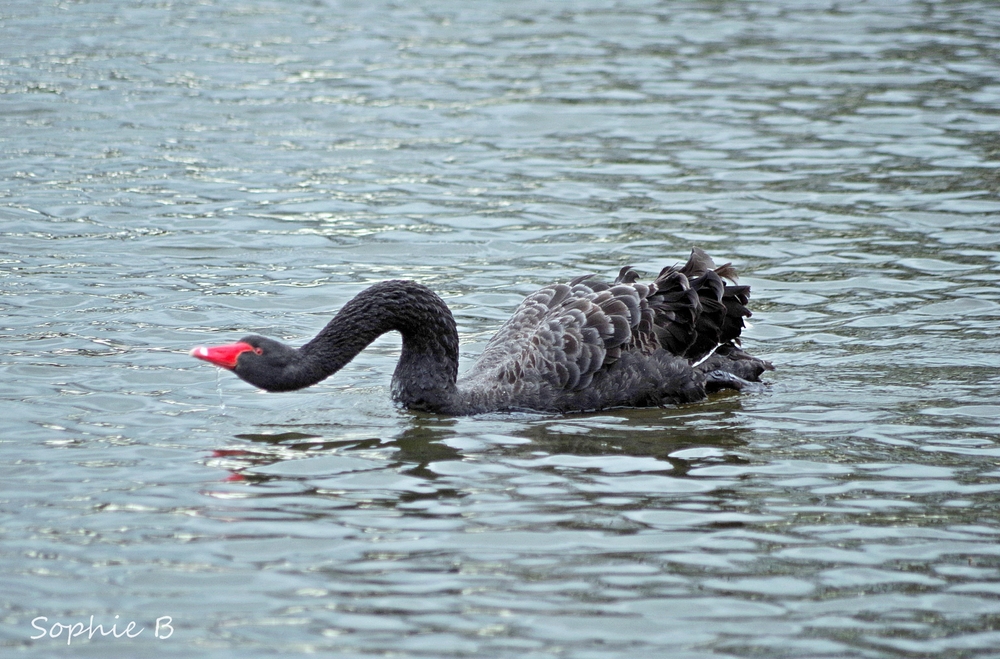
x=186, y=172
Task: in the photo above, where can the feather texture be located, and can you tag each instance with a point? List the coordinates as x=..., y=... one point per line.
x=562, y=346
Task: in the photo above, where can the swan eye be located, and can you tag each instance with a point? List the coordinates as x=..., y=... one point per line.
x=259, y=351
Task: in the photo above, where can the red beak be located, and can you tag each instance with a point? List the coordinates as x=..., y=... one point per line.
x=224, y=356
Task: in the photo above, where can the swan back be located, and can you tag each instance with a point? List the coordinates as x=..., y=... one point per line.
x=587, y=343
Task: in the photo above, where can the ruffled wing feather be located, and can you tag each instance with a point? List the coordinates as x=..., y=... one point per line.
x=564, y=335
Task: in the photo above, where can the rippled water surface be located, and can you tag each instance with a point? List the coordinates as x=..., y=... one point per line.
x=176, y=173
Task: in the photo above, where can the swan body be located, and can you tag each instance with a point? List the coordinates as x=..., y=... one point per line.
x=576, y=346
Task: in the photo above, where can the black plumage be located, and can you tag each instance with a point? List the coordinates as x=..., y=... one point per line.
x=573, y=346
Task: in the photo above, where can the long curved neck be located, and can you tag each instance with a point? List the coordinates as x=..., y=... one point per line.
x=428, y=366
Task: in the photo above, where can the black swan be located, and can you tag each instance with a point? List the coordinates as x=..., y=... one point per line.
x=585, y=345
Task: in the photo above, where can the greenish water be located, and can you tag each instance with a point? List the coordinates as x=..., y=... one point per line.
x=182, y=172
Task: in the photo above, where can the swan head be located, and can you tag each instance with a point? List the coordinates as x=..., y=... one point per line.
x=262, y=362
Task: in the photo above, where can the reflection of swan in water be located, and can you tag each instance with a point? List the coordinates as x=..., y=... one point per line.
x=668, y=442
x=417, y=445
x=578, y=346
